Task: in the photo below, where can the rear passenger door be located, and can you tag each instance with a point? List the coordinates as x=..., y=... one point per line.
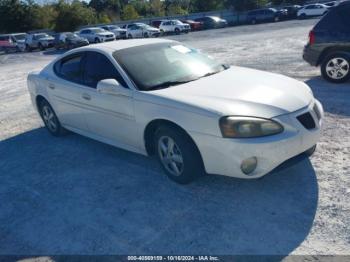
x=66, y=92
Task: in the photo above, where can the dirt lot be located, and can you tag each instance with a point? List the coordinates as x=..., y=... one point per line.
x=73, y=195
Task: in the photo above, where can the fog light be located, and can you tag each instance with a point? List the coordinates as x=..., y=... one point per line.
x=249, y=165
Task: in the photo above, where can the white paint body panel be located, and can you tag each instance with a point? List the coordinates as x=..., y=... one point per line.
x=196, y=107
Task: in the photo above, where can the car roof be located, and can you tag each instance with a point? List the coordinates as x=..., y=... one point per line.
x=111, y=47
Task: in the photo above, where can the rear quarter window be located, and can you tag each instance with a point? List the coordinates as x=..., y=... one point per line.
x=332, y=21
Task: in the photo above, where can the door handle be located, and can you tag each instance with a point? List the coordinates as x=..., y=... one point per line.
x=86, y=97
x=52, y=86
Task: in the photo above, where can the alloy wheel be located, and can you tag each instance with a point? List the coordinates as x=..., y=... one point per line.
x=337, y=68
x=49, y=118
x=170, y=155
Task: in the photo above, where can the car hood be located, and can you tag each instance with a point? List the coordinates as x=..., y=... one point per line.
x=77, y=39
x=46, y=38
x=244, y=92
x=120, y=30
x=105, y=34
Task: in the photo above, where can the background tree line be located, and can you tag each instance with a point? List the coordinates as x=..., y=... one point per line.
x=67, y=15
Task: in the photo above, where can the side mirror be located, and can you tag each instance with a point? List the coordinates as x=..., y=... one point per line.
x=112, y=87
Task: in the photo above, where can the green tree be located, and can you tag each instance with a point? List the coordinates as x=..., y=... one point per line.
x=207, y=5
x=157, y=8
x=73, y=15
x=129, y=13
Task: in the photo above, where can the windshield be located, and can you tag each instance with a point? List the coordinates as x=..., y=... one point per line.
x=98, y=30
x=177, y=22
x=113, y=27
x=38, y=36
x=162, y=65
x=216, y=18
x=71, y=35
x=20, y=37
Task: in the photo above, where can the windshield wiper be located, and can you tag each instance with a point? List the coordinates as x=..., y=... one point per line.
x=168, y=84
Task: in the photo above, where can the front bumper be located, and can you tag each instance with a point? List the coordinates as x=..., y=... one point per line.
x=224, y=156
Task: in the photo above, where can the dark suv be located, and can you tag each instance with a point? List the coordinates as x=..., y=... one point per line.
x=329, y=44
x=266, y=15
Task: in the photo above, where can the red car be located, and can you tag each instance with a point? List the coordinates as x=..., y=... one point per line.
x=195, y=26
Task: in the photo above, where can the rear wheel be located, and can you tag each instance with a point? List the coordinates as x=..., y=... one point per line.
x=302, y=16
x=28, y=48
x=41, y=47
x=50, y=119
x=178, y=155
x=310, y=151
x=336, y=68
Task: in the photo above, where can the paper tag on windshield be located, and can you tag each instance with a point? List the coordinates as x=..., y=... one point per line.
x=182, y=49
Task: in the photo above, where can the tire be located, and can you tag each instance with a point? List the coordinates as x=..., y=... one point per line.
x=277, y=19
x=28, y=49
x=41, y=47
x=302, y=16
x=335, y=68
x=310, y=151
x=130, y=36
x=177, y=31
x=146, y=35
x=50, y=119
x=97, y=40
x=253, y=21
x=183, y=150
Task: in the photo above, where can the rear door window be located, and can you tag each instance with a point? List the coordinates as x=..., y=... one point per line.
x=335, y=20
x=69, y=68
x=344, y=14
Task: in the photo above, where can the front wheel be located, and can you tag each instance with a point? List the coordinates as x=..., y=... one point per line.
x=178, y=155
x=50, y=119
x=336, y=68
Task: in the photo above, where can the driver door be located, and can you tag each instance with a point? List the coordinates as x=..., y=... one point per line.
x=108, y=116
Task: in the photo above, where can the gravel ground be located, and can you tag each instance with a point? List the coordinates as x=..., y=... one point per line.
x=73, y=195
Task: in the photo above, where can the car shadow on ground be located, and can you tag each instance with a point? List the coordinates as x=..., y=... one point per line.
x=334, y=97
x=73, y=195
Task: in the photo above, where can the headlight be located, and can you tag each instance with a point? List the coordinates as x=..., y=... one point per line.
x=248, y=127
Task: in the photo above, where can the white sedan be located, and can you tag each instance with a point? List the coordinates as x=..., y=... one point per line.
x=155, y=96
x=312, y=10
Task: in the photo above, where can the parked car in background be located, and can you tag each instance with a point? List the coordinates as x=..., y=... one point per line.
x=39, y=41
x=157, y=97
x=96, y=35
x=119, y=33
x=292, y=11
x=140, y=30
x=212, y=22
x=174, y=26
x=266, y=15
x=12, y=42
x=329, y=44
x=156, y=23
x=68, y=40
x=312, y=10
x=195, y=26
x=331, y=4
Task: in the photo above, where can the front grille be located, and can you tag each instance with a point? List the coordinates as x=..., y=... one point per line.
x=317, y=112
x=307, y=121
